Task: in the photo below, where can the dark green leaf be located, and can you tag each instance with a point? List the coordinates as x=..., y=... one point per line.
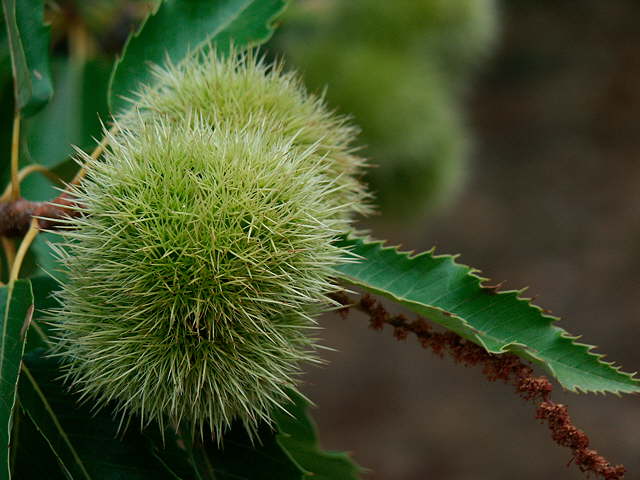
x=42, y=463
x=6, y=117
x=39, y=331
x=16, y=302
x=86, y=442
x=5, y=54
x=181, y=26
x=240, y=459
x=72, y=118
x=29, y=46
x=45, y=260
x=36, y=405
x=297, y=436
x=289, y=452
x=454, y=296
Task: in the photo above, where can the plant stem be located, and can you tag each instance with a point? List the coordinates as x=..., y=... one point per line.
x=28, y=239
x=9, y=247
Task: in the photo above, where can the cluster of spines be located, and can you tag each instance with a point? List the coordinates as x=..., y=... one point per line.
x=205, y=246
x=244, y=92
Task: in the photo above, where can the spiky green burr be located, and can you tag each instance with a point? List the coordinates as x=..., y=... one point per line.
x=206, y=245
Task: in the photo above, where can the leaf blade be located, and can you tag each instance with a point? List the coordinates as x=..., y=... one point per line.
x=74, y=114
x=452, y=295
x=47, y=422
x=16, y=301
x=163, y=35
x=240, y=457
x=29, y=46
x=110, y=453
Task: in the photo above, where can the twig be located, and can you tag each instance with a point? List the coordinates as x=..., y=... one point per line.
x=506, y=367
x=15, y=215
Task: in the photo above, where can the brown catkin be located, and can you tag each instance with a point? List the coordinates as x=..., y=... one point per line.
x=506, y=367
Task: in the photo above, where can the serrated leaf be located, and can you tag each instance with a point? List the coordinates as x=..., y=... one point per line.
x=297, y=436
x=16, y=302
x=182, y=26
x=67, y=426
x=453, y=295
x=29, y=46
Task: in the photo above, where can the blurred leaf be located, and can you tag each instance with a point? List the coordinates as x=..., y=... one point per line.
x=5, y=54
x=289, y=452
x=73, y=115
x=6, y=108
x=29, y=46
x=45, y=259
x=453, y=295
x=72, y=118
x=297, y=436
x=16, y=302
x=179, y=27
x=6, y=118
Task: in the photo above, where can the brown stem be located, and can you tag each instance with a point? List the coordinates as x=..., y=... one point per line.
x=506, y=367
x=16, y=212
x=15, y=216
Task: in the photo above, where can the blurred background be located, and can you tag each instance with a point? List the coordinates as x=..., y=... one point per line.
x=506, y=131
x=539, y=187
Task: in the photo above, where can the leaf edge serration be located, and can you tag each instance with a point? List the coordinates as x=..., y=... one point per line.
x=624, y=383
